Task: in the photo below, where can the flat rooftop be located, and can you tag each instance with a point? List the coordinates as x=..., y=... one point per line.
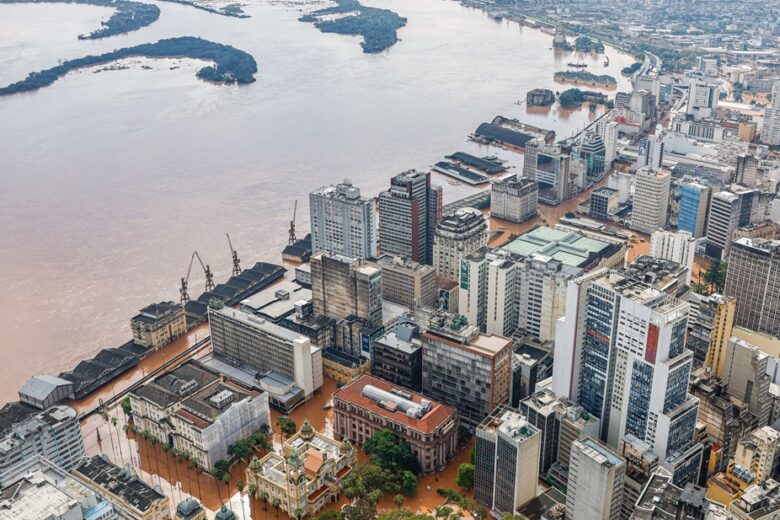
x=569, y=247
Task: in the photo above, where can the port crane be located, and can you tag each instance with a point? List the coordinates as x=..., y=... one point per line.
x=236, y=261
x=183, y=290
x=292, y=238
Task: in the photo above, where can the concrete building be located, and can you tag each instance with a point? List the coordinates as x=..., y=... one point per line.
x=641, y=465
x=292, y=365
x=758, y=501
x=408, y=214
x=553, y=169
x=753, y=278
x=45, y=391
x=514, y=198
x=37, y=489
x=342, y=222
x=158, y=324
x=343, y=287
x=702, y=98
x=306, y=476
x=770, y=130
x=694, y=208
x=369, y=404
x=592, y=151
x=543, y=410
x=456, y=236
x=398, y=357
x=757, y=452
x=729, y=210
x=604, y=202
x=678, y=247
x=193, y=410
x=408, y=283
x=710, y=329
x=343, y=367
x=651, y=199
x=745, y=374
x=130, y=496
x=27, y=431
x=596, y=475
x=746, y=173
x=575, y=424
x=621, y=354
x=506, y=460
x=466, y=369
x=660, y=498
x=611, y=136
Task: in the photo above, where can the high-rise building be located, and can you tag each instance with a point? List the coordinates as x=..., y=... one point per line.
x=604, y=202
x=694, y=207
x=746, y=173
x=770, y=131
x=678, y=247
x=342, y=287
x=542, y=410
x=731, y=209
x=710, y=329
x=342, y=222
x=514, y=198
x=398, y=357
x=596, y=479
x=702, y=98
x=593, y=151
x=27, y=431
x=641, y=463
x=745, y=374
x=757, y=452
x=408, y=214
x=506, y=472
x=620, y=353
x=551, y=166
x=651, y=199
x=281, y=354
x=466, y=369
x=408, y=283
x=576, y=423
x=458, y=235
x=611, y=136
x=753, y=277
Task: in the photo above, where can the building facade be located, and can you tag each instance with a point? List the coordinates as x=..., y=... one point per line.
x=306, y=476
x=710, y=329
x=677, y=246
x=343, y=287
x=746, y=377
x=158, y=324
x=596, y=478
x=342, y=222
x=694, y=208
x=408, y=214
x=456, y=236
x=604, y=202
x=506, y=461
x=753, y=278
x=370, y=404
x=398, y=357
x=514, y=198
x=408, y=283
x=651, y=199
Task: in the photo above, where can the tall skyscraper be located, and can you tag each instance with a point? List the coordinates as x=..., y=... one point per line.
x=551, y=166
x=753, y=277
x=651, y=199
x=746, y=173
x=710, y=328
x=678, y=247
x=596, y=479
x=342, y=288
x=694, y=206
x=702, y=98
x=458, y=235
x=611, y=135
x=408, y=214
x=506, y=472
x=620, y=353
x=342, y=222
x=746, y=378
x=731, y=209
x=770, y=131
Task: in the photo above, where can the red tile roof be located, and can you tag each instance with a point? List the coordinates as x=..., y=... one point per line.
x=436, y=416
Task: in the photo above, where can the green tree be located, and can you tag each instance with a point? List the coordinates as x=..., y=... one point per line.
x=388, y=451
x=126, y=406
x=360, y=509
x=443, y=512
x=465, y=478
x=277, y=504
x=715, y=275
x=286, y=425
x=399, y=500
x=330, y=514
x=571, y=97
x=239, y=450
x=409, y=483
x=264, y=497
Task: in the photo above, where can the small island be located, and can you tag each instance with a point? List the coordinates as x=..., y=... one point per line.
x=628, y=71
x=585, y=44
x=377, y=26
x=128, y=16
x=235, y=10
x=581, y=77
x=231, y=65
x=575, y=97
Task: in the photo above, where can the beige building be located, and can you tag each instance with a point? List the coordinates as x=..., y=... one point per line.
x=370, y=404
x=158, y=324
x=407, y=283
x=651, y=199
x=596, y=479
x=456, y=236
x=307, y=475
x=756, y=452
x=343, y=287
x=745, y=374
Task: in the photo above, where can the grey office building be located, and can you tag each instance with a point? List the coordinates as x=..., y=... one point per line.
x=408, y=214
x=753, y=277
x=398, y=357
x=342, y=222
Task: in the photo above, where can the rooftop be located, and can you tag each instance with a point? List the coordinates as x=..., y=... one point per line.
x=157, y=311
x=437, y=415
x=600, y=453
x=571, y=248
x=120, y=482
x=259, y=323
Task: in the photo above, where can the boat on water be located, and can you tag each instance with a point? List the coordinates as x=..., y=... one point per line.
x=606, y=61
x=577, y=65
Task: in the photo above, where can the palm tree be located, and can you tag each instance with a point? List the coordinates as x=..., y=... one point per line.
x=110, y=437
x=298, y=514
x=399, y=500
x=114, y=422
x=265, y=429
x=277, y=504
x=240, y=487
x=264, y=497
x=214, y=474
x=226, y=481
x=196, y=467
x=252, y=497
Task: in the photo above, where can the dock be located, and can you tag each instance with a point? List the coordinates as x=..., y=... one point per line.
x=480, y=163
x=459, y=173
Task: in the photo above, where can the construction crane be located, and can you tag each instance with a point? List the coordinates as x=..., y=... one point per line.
x=292, y=238
x=236, y=261
x=183, y=290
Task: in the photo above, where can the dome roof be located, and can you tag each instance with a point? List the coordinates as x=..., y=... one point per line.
x=225, y=514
